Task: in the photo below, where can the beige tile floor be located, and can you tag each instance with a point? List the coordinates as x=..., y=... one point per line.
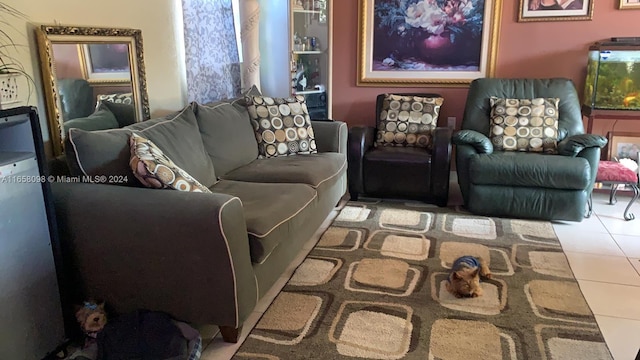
x=604, y=254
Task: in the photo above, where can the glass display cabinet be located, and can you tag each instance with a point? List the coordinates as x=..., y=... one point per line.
x=300, y=63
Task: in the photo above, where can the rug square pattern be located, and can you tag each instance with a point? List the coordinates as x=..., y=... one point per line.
x=373, y=330
x=472, y=340
x=315, y=271
x=374, y=287
x=340, y=239
x=550, y=263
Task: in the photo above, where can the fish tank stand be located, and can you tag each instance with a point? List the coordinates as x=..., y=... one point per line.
x=592, y=113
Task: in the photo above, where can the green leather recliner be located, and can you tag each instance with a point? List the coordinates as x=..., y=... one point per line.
x=526, y=184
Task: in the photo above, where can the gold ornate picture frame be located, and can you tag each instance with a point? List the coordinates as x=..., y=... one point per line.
x=79, y=37
x=423, y=42
x=629, y=4
x=555, y=10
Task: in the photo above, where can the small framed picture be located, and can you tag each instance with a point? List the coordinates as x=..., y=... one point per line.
x=629, y=4
x=105, y=62
x=623, y=145
x=556, y=10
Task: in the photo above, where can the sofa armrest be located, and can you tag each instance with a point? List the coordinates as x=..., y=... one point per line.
x=183, y=253
x=479, y=141
x=331, y=136
x=573, y=145
x=441, y=164
x=360, y=141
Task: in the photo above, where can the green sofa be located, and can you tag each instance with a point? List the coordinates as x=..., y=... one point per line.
x=203, y=258
x=526, y=184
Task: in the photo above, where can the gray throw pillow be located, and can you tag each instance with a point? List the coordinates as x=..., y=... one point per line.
x=100, y=120
x=107, y=152
x=227, y=134
x=125, y=113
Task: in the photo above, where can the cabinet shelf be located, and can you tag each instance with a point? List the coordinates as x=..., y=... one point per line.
x=13, y=120
x=308, y=52
x=12, y=157
x=307, y=92
x=303, y=11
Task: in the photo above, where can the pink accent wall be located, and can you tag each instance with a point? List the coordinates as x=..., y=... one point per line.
x=530, y=49
x=67, y=61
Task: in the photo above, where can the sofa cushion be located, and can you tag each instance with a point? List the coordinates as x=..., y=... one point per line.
x=408, y=120
x=282, y=126
x=524, y=124
x=310, y=169
x=227, y=134
x=155, y=170
x=271, y=211
x=106, y=152
x=523, y=169
x=125, y=113
x=100, y=120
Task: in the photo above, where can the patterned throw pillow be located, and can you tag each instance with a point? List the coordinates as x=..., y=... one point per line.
x=155, y=170
x=524, y=124
x=282, y=126
x=408, y=120
x=124, y=98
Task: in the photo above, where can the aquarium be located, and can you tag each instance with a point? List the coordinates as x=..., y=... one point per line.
x=613, y=75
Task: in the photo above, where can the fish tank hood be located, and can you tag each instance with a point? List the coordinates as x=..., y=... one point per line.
x=613, y=75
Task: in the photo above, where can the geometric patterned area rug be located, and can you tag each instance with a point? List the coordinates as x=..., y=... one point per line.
x=374, y=288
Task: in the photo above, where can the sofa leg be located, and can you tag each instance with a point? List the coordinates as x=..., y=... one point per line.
x=230, y=334
x=442, y=201
x=353, y=196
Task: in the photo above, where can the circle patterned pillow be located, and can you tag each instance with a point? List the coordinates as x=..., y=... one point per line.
x=524, y=124
x=282, y=125
x=126, y=98
x=408, y=120
x=155, y=170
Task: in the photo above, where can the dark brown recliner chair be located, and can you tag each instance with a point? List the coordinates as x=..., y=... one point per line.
x=398, y=172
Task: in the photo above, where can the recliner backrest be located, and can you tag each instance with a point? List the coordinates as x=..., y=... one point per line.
x=76, y=96
x=478, y=110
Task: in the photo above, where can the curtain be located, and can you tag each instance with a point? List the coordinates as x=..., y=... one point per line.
x=211, y=53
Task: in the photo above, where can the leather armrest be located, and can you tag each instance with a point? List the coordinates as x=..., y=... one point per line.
x=179, y=252
x=592, y=154
x=360, y=140
x=479, y=141
x=573, y=145
x=441, y=164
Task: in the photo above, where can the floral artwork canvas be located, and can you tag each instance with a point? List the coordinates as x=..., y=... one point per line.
x=428, y=35
x=427, y=41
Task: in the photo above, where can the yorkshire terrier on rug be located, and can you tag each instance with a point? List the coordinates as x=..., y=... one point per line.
x=464, y=279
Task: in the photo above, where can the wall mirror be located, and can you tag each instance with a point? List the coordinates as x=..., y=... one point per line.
x=88, y=69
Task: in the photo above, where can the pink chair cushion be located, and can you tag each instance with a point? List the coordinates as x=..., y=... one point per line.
x=615, y=172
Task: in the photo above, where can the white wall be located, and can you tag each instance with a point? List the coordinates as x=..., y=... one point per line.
x=162, y=33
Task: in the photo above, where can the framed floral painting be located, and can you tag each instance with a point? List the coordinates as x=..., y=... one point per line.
x=629, y=4
x=555, y=10
x=418, y=42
